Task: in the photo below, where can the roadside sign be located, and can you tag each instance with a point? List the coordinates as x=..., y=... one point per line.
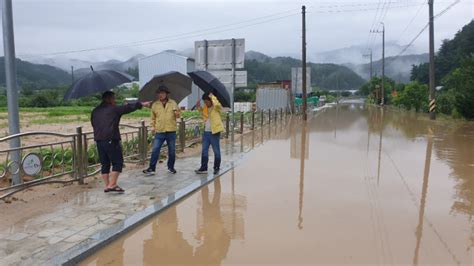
x=219, y=54
x=32, y=164
x=225, y=76
x=297, y=80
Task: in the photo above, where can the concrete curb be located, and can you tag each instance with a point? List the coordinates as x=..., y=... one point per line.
x=78, y=253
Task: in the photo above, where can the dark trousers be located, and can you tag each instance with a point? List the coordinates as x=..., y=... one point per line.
x=209, y=139
x=110, y=153
x=160, y=138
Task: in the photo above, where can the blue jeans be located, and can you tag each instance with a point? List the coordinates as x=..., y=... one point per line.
x=160, y=138
x=213, y=140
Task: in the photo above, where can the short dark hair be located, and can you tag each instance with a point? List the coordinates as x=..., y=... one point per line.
x=205, y=97
x=162, y=88
x=107, y=95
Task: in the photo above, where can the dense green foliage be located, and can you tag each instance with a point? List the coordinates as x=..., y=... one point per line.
x=325, y=76
x=241, y=96
x=454, y=70
x=449, y=56
x=413, y=96
x=373, y=87
x=54, y=97
x=460, y=84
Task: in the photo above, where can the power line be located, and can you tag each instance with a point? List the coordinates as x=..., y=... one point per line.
x=411, y=21
x=423, y=29
x=376, y=25
x=142, y=42
x=372, y=26
x=211, y=30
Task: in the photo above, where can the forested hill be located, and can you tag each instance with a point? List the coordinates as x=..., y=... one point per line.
x=34, y=76
x=260, y=67
x=263, y=68
x=450, y=55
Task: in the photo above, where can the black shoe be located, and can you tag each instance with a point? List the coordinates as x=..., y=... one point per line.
x=201, y=171
x=149, y=171
x=216, y=171
x=172, y=170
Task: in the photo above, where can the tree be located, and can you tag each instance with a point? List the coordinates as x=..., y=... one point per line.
x=241, y=96
x=372, y=88
x=445, y=102
x=414, y=95
x=40, y=101
x=449, y=56
x=461, y=82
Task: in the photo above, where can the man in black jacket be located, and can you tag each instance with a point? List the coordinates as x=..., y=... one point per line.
x=105, y=120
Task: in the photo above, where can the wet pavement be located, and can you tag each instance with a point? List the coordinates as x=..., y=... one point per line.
x=355, y=185
x=91, y=218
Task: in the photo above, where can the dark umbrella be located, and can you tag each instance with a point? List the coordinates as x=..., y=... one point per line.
x=178, y=84
x=210, y=84
x=95, y=82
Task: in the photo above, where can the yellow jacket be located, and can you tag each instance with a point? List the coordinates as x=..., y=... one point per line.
x=215, y=115
x=163, y=118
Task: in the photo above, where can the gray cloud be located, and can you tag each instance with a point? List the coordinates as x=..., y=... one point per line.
x=44, y=27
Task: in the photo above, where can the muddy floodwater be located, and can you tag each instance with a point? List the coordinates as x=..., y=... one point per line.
x=355, y=185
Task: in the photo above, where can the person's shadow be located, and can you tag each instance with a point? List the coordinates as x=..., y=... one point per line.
x=215, y=239
x=167, y=245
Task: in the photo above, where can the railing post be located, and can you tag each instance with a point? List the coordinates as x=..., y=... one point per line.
x=281, y=114
x=253, y=120
x=262, y=118
x=227, y=124
x=182, y=134
x=242, y=123
x=142, y=142
x=79, y=156
x=269, y=116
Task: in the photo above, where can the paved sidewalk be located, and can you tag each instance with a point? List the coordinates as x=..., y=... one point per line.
x=94, y=218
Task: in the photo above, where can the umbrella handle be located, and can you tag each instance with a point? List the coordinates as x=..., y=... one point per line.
x=92, y=68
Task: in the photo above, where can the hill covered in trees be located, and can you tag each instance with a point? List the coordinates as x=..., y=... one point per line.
x=36, y=76
x=449, y=57
x=263, y=68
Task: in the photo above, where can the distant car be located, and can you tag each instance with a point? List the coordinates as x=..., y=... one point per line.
x=322, y=98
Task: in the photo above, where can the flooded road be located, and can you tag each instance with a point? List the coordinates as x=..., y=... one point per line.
x=355, y=185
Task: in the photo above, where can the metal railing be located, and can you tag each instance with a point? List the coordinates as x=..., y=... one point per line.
x=73, y=157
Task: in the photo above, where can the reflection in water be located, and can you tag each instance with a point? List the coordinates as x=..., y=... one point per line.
x=380, y=122
x=355, y=220
x=424, y=190
x=302, y=159
x=211, y=231
x=167, y=242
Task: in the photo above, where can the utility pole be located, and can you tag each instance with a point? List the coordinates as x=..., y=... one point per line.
x=305, y=115
x=232, y=93
x=12, y=91
x=382, y=98
x=382, y=102
x=432, y=105
x=370, y=56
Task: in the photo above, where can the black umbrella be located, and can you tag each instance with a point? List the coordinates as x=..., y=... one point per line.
x=178, y=84
x=95, y=82
x=210, y=84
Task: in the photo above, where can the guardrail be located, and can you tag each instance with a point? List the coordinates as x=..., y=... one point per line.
x=73, y=157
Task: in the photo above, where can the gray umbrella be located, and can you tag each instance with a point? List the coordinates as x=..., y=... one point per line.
x=95, y=82
x=178, y=84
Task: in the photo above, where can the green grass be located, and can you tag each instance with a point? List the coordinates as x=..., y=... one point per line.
x=58, y=120
x=60, y=114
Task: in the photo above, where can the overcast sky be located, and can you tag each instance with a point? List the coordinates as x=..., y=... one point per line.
x=271, y=27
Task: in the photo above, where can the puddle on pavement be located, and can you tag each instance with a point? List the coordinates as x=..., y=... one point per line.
x=356, y=185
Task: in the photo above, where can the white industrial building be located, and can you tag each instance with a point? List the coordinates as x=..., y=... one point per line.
x=164, y=62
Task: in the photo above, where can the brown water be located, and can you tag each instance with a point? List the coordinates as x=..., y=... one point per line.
x=355, y=185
